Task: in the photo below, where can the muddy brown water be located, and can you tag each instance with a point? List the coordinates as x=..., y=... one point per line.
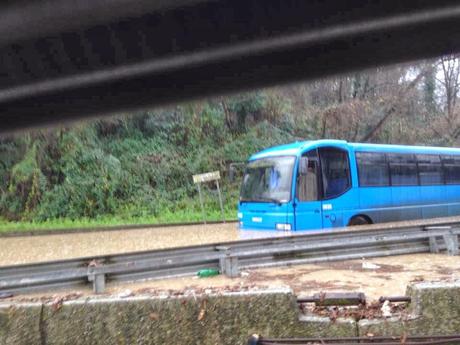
x=22, y=250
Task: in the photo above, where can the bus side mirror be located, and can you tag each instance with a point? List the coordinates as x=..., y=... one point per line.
x=303, y=166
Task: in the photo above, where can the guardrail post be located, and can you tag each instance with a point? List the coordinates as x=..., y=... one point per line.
x=228, y=263
x=98, y=280
x=451, y=241
x=434, y=248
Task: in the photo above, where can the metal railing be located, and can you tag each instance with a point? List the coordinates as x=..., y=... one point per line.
x=231, y=257
x=453, y=339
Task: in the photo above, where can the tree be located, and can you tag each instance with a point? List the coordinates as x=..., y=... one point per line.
x=448, y=125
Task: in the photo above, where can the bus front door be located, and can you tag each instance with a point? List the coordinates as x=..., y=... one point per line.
x=308, y=215
x=307, y=206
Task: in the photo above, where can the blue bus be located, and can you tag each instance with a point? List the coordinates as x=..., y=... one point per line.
x=333, y=183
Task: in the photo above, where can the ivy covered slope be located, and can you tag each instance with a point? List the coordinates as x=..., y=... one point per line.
x=135, y=169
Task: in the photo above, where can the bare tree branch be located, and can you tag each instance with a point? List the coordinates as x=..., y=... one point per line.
x=393, y=107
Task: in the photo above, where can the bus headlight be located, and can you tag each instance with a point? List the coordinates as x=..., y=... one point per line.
x=283, y=226
x=240, y=215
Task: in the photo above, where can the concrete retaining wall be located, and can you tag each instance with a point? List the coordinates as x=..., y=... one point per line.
x=212, y=319
x=20, y=324
x=434, y=310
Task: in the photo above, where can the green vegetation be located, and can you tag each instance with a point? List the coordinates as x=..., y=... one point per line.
x=131, y=170
x=113, y=220
x=138, y=168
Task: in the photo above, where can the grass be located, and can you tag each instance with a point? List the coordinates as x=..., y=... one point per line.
x=166, y=217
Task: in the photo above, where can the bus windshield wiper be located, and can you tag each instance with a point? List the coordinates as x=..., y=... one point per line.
x=263, y=199
x=276, y=201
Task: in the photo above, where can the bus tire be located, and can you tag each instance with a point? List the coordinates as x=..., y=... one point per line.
x=359, y=220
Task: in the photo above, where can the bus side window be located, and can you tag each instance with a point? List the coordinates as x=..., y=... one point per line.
x=430, y=170
x=451, y=167
x=403, y=169
x=307, y=185
x=335, y=171
x=372, y=169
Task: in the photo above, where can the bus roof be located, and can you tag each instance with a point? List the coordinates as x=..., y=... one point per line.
x=404, y=148
x=292, y=149
x=296, y=148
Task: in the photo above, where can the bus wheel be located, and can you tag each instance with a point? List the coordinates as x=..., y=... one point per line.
x=359, y=220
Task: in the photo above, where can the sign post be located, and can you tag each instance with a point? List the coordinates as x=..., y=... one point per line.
x=220, y=201
x=201, y=203
x=206, y=177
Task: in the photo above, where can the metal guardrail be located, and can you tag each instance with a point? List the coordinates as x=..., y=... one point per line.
x=231, y=257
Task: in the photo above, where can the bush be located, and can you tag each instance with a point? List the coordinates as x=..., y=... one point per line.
x=135, y=167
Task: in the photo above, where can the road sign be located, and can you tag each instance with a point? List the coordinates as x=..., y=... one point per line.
x=206, y=177
x=210, y=176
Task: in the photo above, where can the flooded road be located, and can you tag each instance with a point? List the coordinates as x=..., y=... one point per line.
x=22, y=250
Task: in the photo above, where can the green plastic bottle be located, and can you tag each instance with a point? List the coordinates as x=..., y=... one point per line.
x=207, y=272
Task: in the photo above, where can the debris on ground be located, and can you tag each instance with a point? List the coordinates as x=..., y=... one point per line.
x=359, y=312
x=386, y=309
x=370, y=266
x=125, y=293
x=208, y=272
x=57, y=303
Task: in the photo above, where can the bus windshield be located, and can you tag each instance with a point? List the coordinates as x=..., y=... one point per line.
x=268, y=180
